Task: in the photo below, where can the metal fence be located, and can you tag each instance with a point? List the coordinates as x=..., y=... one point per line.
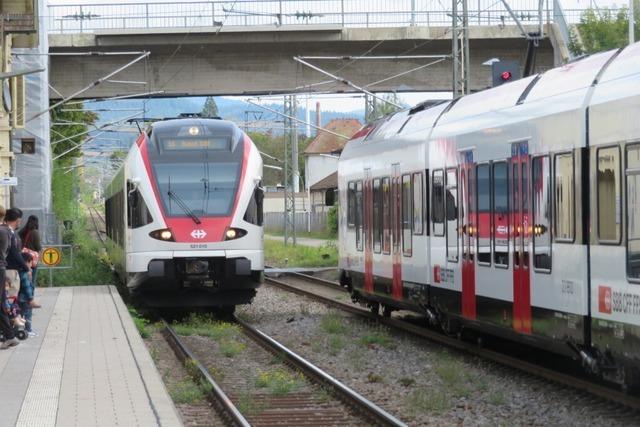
x=346, y=13
x=274, y=221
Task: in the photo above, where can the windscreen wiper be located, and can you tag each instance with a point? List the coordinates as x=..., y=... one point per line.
x=184, y=206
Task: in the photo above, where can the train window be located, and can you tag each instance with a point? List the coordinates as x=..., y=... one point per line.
x=254, y=213
x=407, y=214
x=377, y=216
x=541, y=176
x=608, y=193
x=386, y=215
x=483, y=209
x=500, y=220
x=451, y=208
x=417, y=203
x=633, y=212
x=137, y=213
x=359, y=217
x=351, y=204
x=564, y=214
x=437, y=202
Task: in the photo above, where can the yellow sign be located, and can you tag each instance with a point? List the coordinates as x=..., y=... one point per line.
x=51, y=257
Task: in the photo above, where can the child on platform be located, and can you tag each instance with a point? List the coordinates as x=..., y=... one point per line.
x=25, y=297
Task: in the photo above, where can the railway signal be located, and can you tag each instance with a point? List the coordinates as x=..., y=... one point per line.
x=504, y=71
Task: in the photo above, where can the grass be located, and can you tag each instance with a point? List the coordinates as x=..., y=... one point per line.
x=189, y=391
x=230, y=348
x=324, y=234
x=90, y=267
x=278, y=255
x=333, y=323
x=248, y=406
x=424, y=401
x=141, y=323
x=356, y=359
x=206, y=326
x=279, y=381
x=336, y=344
x=454, y=378
x=497, y=398
x=377, y=338
x=223, y=333
x=407, y=382
x=374, y=378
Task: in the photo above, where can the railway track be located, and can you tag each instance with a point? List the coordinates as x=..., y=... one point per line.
x=322, y=401
x=99, y=230
x=301, y=285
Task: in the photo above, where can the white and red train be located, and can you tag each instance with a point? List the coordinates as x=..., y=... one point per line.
x=513, y=211
x=184, y=215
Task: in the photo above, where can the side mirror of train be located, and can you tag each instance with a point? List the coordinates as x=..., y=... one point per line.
x=135, y=182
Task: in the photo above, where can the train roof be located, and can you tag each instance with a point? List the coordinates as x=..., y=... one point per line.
x=215, y=125
x=570, y=82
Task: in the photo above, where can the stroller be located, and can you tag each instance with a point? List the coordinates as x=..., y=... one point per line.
x=14, y=311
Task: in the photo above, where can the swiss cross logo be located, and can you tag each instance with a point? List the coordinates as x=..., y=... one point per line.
x=436, y=274
x=198, y=234
x=604, y=299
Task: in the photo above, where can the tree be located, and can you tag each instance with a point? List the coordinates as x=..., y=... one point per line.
x=210, y=108
x=603, y=29
x=70, y=135
x=385, y=108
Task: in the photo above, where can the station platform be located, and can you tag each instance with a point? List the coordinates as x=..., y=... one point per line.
x=87, y=367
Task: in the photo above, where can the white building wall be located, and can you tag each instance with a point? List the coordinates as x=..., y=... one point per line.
x=318, y=167
x=273, y=203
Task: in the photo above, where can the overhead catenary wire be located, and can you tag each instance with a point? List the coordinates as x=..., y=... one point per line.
x=90, y=86
x=346, y=82
x=117, y=97
x=297, y=119
x=404, y=73
x=100, y=128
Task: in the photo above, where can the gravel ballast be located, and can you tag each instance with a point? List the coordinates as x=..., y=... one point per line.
x=418, y=381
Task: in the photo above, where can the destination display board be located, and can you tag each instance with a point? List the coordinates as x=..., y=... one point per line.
x=186, y=144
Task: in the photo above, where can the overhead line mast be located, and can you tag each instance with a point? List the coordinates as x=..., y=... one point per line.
x=460, y=48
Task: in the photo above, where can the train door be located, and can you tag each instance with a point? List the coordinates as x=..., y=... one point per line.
x=469, y=227
x=368, y=232
x=521, y=215
x=396, y=231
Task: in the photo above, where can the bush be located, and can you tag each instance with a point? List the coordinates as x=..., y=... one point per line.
x=332, y=220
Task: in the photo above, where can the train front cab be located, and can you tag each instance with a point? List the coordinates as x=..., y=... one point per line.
x=168, y=258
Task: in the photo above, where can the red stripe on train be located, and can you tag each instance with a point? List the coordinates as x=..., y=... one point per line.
x=184, y=229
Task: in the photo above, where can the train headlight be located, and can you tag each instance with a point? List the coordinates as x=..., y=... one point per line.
x=194, y=130
x=233, y=233
x=164, y=234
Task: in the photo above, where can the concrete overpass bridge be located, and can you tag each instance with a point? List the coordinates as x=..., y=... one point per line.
x=251, y=51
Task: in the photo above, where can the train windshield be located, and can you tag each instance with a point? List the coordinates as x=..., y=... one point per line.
x=206, y=188
x=197, y=166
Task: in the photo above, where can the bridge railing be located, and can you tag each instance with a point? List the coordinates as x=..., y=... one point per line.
x=89, y=17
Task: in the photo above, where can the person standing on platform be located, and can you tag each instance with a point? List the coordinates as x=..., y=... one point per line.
x=10, y=339
x=30, y=236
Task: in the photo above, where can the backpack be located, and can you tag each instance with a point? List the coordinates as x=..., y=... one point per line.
x=35, y=255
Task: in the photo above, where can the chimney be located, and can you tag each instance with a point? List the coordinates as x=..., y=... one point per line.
x=318, y=116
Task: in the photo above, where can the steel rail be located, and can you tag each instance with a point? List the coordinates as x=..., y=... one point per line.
x=95, y=224
x=354, y=399
x=184, y=354
x=601, y=391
